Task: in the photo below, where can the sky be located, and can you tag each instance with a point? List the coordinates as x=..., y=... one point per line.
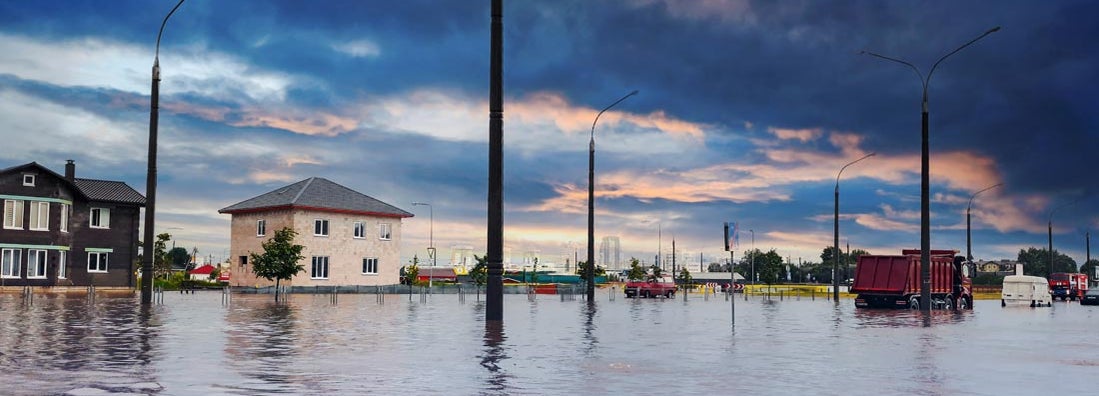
x=746, y=113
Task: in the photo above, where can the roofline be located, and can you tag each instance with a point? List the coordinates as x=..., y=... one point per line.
x=313, y=208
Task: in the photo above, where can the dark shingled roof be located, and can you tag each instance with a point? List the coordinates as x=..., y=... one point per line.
x=317, y=193
x=109, y=191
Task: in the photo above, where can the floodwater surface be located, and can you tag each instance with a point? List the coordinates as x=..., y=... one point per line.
x=196, y=344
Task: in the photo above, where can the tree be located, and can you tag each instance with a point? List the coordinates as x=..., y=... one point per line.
x=178, y=257
x=636, y=271
x=412, y=271
x=657, y=272
x=684, y=276
x=280, y=258
x=161, y=266
x=769, y=267
x=479, y=273
x=1036, y=262
x=715, y=267
x=1089, y=268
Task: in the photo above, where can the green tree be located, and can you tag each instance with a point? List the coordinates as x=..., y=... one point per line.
x=412, y=271
x=769, y=267
x=178, y=257
x=1089, y=268
x=1036, y=262
x=161, y=265
x=657, y=272
x=684, y=276
x=479, y=273
x=280, y=258
x=637, y=272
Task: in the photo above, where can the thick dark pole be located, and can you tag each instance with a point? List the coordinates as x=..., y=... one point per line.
x=589, y=272
x=925, y=216
x=836, y=232
x=836, y=245
x=150, y=176
x=1049, y=271
x=1087, y=245
x=494, y=293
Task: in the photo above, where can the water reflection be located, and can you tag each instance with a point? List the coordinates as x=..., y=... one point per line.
x=590, y=341
x=262, y=342
x=494, y=352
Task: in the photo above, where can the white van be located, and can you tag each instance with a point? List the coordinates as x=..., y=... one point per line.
x=1027, y=290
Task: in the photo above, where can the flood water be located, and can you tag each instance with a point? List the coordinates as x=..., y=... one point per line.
x=193, y=344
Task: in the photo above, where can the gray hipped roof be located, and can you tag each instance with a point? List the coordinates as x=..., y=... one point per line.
x=109, y=191
x=317, y=193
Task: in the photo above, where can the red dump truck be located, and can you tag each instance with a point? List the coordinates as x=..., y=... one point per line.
x=1067, y=286
x=652, y=287
x=894, y=281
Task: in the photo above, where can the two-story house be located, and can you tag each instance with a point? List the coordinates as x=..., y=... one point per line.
x=66, y=231
x=349, y=238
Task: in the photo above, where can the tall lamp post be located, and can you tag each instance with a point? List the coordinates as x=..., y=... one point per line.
x=589, y=272
x=836, y=232
x=1049, y=270
x=752, y=255
x=968, y=224
x=431, y=241
x=925, y=199
x=150, y=180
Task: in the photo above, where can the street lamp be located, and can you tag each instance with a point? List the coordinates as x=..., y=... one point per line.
x=150, y=180
x=925, y=199
x=836, y=232
x=968, y=238
x=431, y=241
x=589, y=273
x=1049, y=271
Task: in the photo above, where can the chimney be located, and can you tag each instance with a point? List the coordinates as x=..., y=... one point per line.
x=70, y=170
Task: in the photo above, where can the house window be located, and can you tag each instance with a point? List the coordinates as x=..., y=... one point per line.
x=40, y=216
x=97, y=262
x=64, y=217
x=9, y=263
x=385, y=231
x=360, y=230
x=261, y=227
x=243, y=261
x=101, y=218
x=28, y=180
x=370, y=265
x=62, y=268
x=320, y=227
x=320, y=268
x=36, y=264
x=13, y=214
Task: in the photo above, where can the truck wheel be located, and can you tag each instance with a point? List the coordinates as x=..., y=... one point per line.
x=963, y=303
x=914, y=303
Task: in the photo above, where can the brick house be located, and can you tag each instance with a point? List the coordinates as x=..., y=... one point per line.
x=349, y=238
x=66, y=231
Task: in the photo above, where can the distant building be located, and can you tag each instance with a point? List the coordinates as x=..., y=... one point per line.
x=349, y=238
x=66, y=231
x=610, y=253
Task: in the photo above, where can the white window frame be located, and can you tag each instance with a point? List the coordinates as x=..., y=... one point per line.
x=368, y=264
x=36, y=263
x=319, y=270
x=40, y=216
x=100, y=261
x=10, y=263
x=359, y=230
x=385, y=231
x=261, y=227
x=104, y=216
x=64, y=217
x=62, y=267
x=31, y=179
x=13, y=214
x=320, y=227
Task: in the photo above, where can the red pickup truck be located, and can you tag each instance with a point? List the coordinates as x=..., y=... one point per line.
x=651, y=288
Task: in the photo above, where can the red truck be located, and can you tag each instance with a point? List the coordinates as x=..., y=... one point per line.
x=894, y=281
x=650, y=288
x=1068, y=286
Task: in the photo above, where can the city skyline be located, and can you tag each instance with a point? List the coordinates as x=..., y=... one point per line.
x=746, y=111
